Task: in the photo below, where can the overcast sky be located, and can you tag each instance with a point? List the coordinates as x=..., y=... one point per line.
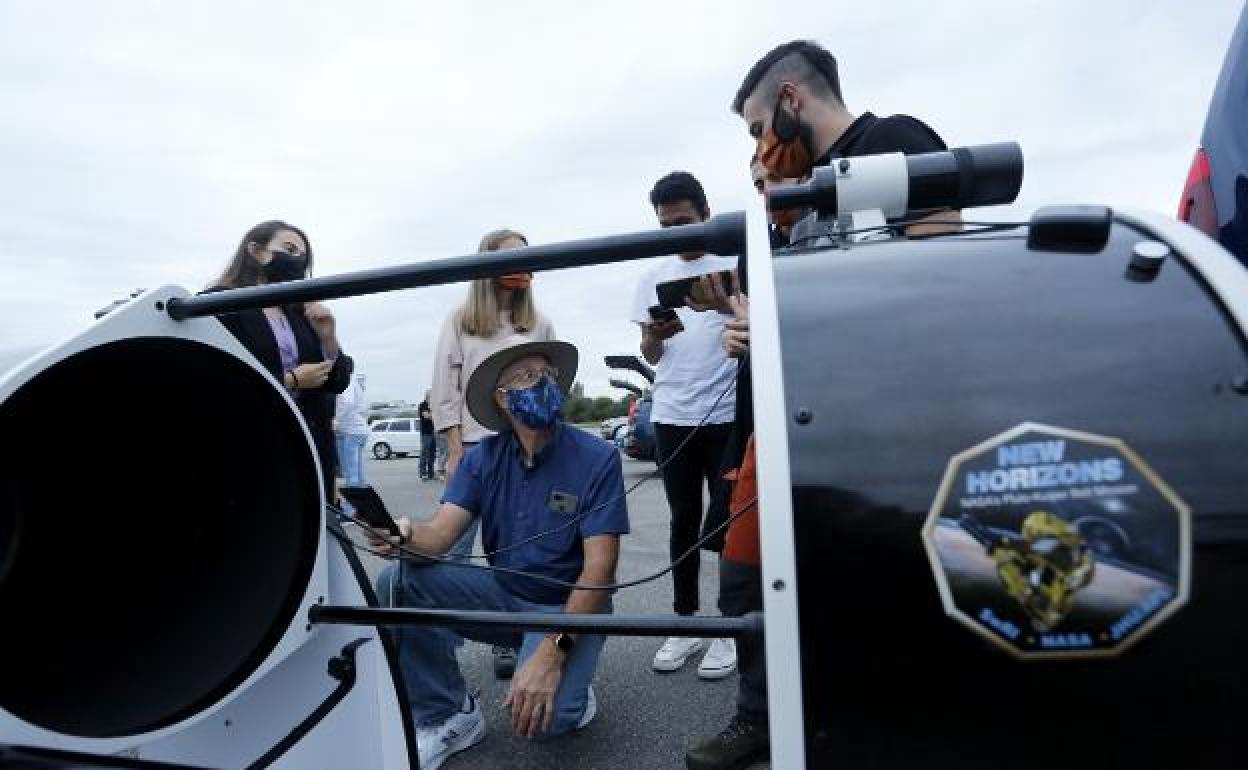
x=139, y=140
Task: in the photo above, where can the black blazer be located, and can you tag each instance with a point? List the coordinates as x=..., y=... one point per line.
x=252, y=329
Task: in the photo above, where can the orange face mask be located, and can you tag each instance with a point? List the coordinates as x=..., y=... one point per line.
x=515, y=280
x=786, y=217
x=785, y=147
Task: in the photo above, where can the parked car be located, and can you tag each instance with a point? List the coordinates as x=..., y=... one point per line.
x=1215, y=198
x=612, y=425
x=397, y=436
x=639, y=443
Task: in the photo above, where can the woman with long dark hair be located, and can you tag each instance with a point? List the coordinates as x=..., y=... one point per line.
x=297, y=344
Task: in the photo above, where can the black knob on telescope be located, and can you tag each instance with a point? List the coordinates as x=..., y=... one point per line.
x=983, y=175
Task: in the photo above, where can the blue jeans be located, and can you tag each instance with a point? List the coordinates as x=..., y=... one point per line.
x=351, y=455
x=435, y=685
x=428, y=451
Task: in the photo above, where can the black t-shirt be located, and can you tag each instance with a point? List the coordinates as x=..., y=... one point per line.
x=426, y=418
x=867, y=135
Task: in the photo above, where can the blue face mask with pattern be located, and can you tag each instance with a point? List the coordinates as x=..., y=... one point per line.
x=537, y=406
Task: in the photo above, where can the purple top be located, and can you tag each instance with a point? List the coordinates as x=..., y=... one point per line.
x=287, y=348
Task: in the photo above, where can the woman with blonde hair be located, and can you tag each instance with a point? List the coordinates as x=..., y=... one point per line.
x=498, y=313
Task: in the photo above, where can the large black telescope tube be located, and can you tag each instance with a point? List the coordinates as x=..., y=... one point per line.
x=723, y=234
x=983, y=175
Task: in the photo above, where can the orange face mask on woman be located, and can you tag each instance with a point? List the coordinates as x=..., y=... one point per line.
x=515, y=280
x=785, y=147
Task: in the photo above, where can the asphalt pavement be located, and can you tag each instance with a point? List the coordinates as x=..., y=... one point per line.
x=645, y=719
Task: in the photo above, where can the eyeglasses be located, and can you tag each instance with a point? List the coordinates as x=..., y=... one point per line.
x=527, y=378
x=285, y=253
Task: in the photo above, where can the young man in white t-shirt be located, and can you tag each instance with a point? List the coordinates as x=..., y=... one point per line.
x=694, y=386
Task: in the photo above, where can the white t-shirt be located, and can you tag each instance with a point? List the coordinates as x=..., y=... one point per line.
x=694, y=370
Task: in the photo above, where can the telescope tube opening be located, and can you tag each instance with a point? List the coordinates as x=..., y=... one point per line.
x=162, y=511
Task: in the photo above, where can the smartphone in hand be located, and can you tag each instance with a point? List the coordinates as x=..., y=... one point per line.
x=660, y=313
x=672, y=294
x=370, y=509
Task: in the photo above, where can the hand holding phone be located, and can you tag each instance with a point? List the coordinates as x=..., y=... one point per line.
x=660, y=313
x=674, y=294
x=664, y=323
x=713, y=291
x=370, y=509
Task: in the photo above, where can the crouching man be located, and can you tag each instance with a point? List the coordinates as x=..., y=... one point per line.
x=550, y=498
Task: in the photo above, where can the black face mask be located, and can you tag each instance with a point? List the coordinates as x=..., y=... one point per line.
x=284, y=267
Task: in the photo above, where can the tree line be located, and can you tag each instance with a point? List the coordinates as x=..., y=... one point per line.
x=577, y=408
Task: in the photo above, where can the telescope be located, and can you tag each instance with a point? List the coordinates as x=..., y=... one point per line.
x=1001, y=495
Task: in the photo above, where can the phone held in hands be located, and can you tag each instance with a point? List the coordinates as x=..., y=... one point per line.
x=672, y=294
x=660, y=313
x=369, y=508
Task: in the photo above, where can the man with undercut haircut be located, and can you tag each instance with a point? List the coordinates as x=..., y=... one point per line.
x=792, y=105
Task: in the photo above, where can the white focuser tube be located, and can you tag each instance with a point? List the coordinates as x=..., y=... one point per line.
x=872, y=183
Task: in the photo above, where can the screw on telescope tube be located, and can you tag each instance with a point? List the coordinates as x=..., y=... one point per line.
x=778, y=585
x=160, y=307
x=803, y=416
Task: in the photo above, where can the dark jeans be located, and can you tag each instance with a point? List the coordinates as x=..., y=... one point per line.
x=699, y=462
x=740, y=592
x=428, y=450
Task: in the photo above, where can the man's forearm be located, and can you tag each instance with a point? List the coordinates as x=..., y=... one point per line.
x=590, y=602
x=651, y=349
x=941, y=222
x=425, y=539
x=454, y=439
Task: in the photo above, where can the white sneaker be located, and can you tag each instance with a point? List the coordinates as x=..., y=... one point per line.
x=461, y=731
x=591, y=710
x=675, y=651
x=720, y=660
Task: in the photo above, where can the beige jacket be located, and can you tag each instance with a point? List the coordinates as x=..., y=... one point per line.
x=458, y=356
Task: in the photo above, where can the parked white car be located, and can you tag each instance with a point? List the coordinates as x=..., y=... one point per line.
x=611, y=425
x=395, y=436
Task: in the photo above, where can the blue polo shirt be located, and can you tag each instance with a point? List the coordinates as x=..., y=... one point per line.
x=575, y=473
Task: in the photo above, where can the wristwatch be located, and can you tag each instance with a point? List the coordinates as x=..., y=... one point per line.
x=564, y=642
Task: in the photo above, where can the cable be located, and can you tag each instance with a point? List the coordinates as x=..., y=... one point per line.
x=980, y=227
x=651, y=475
x=409, y=553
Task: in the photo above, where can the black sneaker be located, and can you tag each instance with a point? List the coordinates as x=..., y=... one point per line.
x=504, y=662
x=737, y=746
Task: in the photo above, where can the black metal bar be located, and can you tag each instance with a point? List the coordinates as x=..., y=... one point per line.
x=39, y=758
x=723, y=234
x=614, y=625
x=630, y=363
x=626, y=385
